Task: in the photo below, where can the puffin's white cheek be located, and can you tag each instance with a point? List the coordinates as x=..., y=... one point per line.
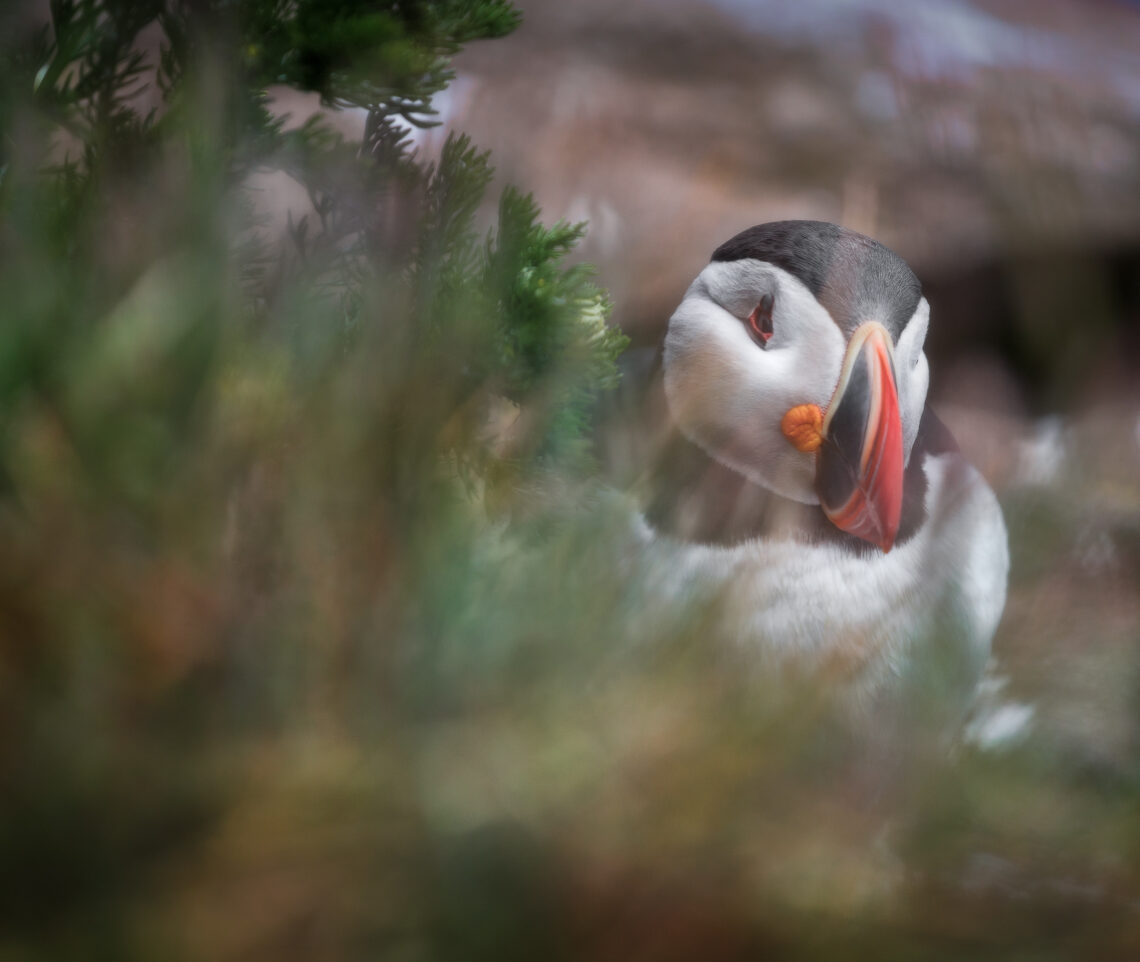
x=729, y=399
x=700, y=385
x=794, y=476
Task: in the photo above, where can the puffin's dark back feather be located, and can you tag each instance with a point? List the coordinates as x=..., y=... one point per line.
x=855, y=278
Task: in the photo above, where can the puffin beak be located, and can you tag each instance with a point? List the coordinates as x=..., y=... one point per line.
x=859, y=471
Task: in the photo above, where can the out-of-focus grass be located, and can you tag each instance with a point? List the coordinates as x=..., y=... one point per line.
x=297, y=662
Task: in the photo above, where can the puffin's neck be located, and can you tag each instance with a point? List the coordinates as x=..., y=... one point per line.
x=695, y=498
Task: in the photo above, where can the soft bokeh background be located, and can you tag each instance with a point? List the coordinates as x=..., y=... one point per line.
x=995, y=146
x=313, y=639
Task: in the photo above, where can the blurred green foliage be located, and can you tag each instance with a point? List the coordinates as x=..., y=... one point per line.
x=232, y=472
x=316, y=636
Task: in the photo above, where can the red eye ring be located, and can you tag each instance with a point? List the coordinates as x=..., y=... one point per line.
x=760, y=320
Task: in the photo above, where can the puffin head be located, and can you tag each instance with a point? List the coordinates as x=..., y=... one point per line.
x=796, y=360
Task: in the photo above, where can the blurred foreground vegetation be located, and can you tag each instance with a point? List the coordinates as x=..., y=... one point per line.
x=314, y=643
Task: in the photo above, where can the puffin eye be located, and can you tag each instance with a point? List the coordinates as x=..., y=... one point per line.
x=760, y=320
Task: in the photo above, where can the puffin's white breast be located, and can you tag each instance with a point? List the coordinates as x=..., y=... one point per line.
x=867, y=619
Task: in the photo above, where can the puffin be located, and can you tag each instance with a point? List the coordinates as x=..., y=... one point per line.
x=812, y=492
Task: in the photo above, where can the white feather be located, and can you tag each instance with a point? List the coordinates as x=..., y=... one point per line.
x=790, y=604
